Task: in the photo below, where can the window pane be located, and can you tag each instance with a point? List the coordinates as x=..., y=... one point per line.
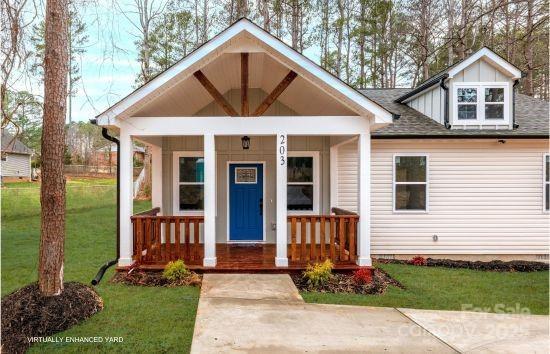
x=467, y=95
x=300, y=169
x=300, y=197
x=191, y=169
x=547, y=196
x=467, y=111
x=410, y=197
x=192, y=197
x=494, y=94
x=547, y=168
x=494, y=111
x=410, y=168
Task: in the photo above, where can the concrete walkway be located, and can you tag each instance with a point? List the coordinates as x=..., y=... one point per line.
x=258, y=313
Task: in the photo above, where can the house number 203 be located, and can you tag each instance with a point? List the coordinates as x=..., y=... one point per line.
x=282, y=149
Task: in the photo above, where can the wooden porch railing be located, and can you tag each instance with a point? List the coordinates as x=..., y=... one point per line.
x=330, y=237
x=178, y=241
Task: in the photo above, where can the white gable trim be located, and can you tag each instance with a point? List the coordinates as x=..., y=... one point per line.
x=109, y=116
x=492, y=58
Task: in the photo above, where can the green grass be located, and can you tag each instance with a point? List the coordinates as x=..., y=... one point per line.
x=452, y=289
x=148, y=319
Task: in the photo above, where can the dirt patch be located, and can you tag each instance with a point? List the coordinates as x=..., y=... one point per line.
x=497, y=266
x=26, y=313
x=151, y=278
x=345, y=283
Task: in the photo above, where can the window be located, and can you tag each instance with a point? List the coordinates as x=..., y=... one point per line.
x=478, y=103
x=410, y=184
x=302, y=185
x=546, y=185
x=188, y=182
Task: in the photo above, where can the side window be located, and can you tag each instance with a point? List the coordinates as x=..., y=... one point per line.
x=303, y=182
x=410, y=183
x=546, y=181
x=190, y=182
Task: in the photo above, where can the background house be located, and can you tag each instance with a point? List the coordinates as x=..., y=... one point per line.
x=16, y=158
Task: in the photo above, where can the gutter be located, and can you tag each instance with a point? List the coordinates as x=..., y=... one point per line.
x=460, y=136
x=104, y=267
x=446, y=107
x=514, y=124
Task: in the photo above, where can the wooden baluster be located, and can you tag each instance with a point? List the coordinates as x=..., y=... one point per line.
x=351, y=232
x=187, y=240
x=293, y=238
x=322, y=237
x=139, y=239
x=332, y=238
x=158, y=226
x=148, y=239
x=342, y=238
x=168, y=239
x=177, y=237
x=196, y=229
x=312, y=238
x=303, y=239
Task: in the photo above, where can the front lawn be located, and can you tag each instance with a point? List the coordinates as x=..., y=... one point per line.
x=148, y=319
x=453, y=289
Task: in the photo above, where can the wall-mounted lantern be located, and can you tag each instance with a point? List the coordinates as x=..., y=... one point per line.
x=245, y=140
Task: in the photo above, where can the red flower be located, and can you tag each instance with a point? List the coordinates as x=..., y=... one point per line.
x=418, y=261
x=362, y=276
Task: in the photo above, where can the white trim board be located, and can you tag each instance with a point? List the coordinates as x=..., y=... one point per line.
x=185, y=67
x=227, y=202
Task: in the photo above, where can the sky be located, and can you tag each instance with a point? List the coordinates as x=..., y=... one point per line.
x=109, y=65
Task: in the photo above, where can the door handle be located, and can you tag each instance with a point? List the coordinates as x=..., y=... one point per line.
x=261, y=206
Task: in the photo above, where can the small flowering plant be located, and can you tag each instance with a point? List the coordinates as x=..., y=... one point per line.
x=418, y=261
x=362, y=276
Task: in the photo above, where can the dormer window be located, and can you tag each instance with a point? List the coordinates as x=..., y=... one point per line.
x=481, y=104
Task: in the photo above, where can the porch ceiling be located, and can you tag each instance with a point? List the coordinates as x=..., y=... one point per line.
x=188, y=97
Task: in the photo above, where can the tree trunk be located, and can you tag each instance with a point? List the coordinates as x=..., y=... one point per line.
x=52, y=191
x=529, y=49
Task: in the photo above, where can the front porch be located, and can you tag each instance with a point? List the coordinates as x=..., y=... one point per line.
x=313, y=238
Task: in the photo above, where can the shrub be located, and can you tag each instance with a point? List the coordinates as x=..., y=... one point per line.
x=319, y=273
x=176, y=271
x=419, y=261
x=362, y=276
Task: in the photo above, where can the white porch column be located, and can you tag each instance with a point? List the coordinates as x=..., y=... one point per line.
x=363, y=242
x=209, y=201
x=281, y=259
x=126, y=198
x=156, y=177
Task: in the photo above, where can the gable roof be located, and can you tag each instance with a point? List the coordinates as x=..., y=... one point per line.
x=186, y=66
x=13, y=145
x=531, y=116
x=484, y=53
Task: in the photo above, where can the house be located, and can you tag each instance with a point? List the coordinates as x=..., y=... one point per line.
x=263, y=160
x=16, y=159
x=107, y=156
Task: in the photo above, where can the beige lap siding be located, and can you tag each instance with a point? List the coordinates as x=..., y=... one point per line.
x=484, y=198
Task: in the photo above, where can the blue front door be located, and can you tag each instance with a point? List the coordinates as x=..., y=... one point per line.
x=246, y=182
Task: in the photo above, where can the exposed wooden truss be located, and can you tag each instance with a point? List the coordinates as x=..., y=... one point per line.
x=228, y=108
x=244, y=84
x=268, y=101
x=218, y=97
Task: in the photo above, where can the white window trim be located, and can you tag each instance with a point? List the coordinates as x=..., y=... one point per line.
x=544, y=183
x=316, y=186
x=427, y=183
x=480, y=120
x=176, y=182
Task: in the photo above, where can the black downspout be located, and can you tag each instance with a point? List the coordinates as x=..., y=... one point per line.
x=514, y=124
x=109, y=264
x=446, y=107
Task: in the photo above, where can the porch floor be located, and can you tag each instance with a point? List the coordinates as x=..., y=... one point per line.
x=249, y=258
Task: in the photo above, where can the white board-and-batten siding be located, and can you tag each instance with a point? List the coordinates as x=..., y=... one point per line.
x=347, y=176
x=431, y=103
x=484, y=197
x=16, y=165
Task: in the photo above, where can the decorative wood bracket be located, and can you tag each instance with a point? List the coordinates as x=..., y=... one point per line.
x=268, y=101
x=218, y=97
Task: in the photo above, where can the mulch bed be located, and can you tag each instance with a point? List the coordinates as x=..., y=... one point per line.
x=498, y=266
x=152, y=278
x=344, y=283
x=26, y=313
